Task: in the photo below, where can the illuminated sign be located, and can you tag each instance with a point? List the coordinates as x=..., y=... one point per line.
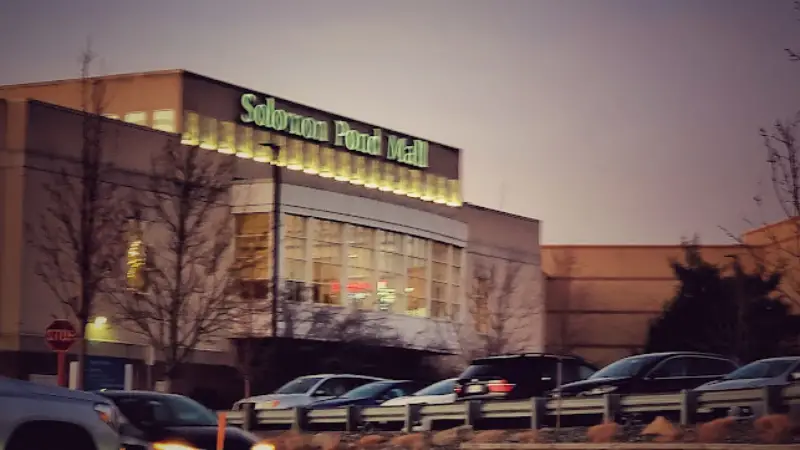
x=266, y=115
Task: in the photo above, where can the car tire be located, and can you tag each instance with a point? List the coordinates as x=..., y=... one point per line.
x=50, y=436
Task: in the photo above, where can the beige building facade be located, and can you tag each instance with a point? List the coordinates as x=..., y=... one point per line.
x=372, y=219
x=601, y=298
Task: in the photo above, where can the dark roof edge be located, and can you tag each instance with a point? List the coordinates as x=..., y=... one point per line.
x=504, y=213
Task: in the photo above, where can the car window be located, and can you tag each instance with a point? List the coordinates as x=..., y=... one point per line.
x=352, y=382
x=443, y=387
x=298, y=385
x=761, y=369
x=671, y=368
x=704, y=367
x=625, y=368
x=516, y=369
x=585, y=371
x=396, y=392
x=164, y=411
x=332, y=387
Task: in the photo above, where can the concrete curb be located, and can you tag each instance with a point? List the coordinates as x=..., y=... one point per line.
x=628, y=446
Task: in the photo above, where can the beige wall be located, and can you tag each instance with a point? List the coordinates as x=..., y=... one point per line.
x=123, y=93
x=600, y=299
x=51, y=139
x=505, y=243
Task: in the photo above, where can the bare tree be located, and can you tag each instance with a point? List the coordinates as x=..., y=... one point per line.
x=778, y=249
x=186, y=297
x=304, y=321
x=79, y=238
x=499, y=318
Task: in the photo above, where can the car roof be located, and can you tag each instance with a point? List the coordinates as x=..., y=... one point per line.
x=777, y=359
x=334, y=375
x=679, y=353
x=135, y=393
x=507, y=357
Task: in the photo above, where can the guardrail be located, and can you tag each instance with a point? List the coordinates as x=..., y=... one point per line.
x=686, y=405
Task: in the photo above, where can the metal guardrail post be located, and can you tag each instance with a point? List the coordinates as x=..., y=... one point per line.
x=249, y=419
x=611, y=403
x=538, y=412
x=412, y=417
x=299, y=422
x=688, y=407
x=472, y=412
x=352, y=418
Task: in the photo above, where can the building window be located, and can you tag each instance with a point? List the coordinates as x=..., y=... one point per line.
x=401, y=180
x=253, y=253
x=390, y=291
x=311, y=158
x=360, y=266
x=227, y=138
x=343, y=166
x=111, y=116
x=326, y=257
x=439, y=270
x=164, y=120
x=295, y=247
x=417, y=271
x=136, y=118
x=209, y=133
x=457, y=254
x=328, y=163
x=359, y=170
x=262, y=152
x=136, y=258
x=295, y=155
x=244, y=142
x=191, y=128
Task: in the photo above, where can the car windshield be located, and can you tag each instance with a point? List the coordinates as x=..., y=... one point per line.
x=369, y=390
x=164, y=411
x=761, y=369
x=299, y=385
x=623, y=368
x=443, y=387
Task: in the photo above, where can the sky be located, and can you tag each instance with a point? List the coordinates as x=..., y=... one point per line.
x=611, y=121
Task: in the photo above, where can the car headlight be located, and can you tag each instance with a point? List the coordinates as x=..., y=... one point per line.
x=602, y=390
x=263, y=446
x=108, y=414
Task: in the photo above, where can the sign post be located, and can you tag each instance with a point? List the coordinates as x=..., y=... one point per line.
x=60, y=335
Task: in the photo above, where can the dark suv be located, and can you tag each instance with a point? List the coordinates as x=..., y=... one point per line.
x=651, y=373
x=519, y=376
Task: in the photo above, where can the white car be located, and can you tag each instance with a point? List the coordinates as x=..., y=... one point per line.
x=306, y=390
x=438, y=393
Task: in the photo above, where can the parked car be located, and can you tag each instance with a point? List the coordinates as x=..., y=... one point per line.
x=651, y=373
x=441, y=392
x=519, y=376
x=35, y=416
x=757, y=374
x=371, y=394
x=154, y=420
x=306, y=390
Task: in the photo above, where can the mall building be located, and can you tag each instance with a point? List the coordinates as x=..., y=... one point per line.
x=373, y=218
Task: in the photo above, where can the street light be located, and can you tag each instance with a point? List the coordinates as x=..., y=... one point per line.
x=277, y=175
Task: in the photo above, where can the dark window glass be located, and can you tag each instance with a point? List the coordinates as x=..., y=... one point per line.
x=704, y=367
x=671, y=368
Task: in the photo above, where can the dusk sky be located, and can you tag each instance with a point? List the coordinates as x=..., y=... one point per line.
x=611, y=121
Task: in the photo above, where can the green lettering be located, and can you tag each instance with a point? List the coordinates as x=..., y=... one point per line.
x=321, y=131
x=295, y=121
x=395, y=151
x=247, y=104
x=374, y=143
x=341, y=131
x=279, y=120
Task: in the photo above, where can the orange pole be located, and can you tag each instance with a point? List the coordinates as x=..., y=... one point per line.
x=221, y=425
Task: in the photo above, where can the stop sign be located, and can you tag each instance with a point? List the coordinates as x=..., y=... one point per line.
x=60, y=335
